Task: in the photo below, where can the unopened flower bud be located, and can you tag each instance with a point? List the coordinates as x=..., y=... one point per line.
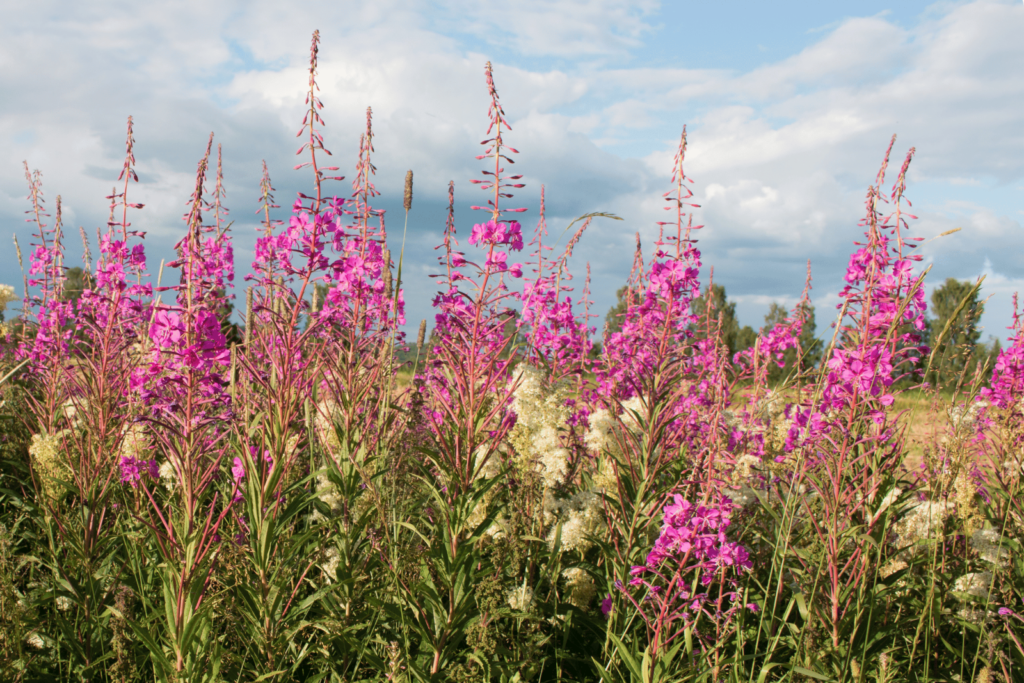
x=17, y=248
x=248, y=315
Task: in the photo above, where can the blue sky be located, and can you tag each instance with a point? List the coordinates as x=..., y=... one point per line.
x=789, y=107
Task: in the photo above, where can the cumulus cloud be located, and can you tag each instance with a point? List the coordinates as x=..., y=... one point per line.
x=782, y=153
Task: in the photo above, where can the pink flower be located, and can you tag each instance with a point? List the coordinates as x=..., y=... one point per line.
x=238, y=470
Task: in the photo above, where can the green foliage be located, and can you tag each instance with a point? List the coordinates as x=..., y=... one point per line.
x=953, y=332
x=615, y=315
x=76, y=281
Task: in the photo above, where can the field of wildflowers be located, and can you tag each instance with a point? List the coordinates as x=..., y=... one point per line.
x=186, y=499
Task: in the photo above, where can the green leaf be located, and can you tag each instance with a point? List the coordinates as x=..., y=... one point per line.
x=807, y=672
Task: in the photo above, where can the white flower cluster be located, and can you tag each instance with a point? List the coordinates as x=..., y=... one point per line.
x=966, y=416
x=323, y=425
x=744, y=469
x=45, y=453
x=7, y=295
x=976, y=585
x=987, y=543
x=521, y=598
x=168, y=476
x=634, y=414
x=328, y=493
x=581, y=587
x=575, y=521
x=746, y=466
x=742, y=495
x=599, y=441
x=73, y=414
x=540, y=412
x=330, y=565
x=36, y=642
x=922, y=524
x=489, y=468
x=598, y=437
x=134, y=443
x=887, y=500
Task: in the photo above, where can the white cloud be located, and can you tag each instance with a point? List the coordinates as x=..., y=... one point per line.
x=781, y=154
x=570, y=28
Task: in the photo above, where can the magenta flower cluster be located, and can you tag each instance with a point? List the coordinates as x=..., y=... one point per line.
x=694, y=535
x=133, y=468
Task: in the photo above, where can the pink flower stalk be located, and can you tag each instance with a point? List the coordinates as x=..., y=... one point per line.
x=467, y=377
x=882, y=295
x=1006, y=390
x=657, y=321
x=559, y=338
x=691, y=557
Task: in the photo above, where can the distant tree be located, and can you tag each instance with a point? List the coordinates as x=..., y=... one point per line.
x=76, y=281
x=613, y=321
x=957, y=310
x=745, y=339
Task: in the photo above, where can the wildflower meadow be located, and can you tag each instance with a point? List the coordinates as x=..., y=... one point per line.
x=299, y=492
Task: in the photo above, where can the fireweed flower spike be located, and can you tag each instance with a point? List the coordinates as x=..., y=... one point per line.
x=470, y=323
x=689, y=560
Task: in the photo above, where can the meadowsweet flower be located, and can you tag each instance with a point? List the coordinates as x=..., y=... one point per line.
x=965, y=490
x=323, y=426
x=168, y=476
x=331, y=562
x=488, y=467
x=45, y=452
x=987, y=544
x=741, y=496
x=597, y=437
x=634, y=412
x=967, y=416
x=922, y=525
x=605, y=480
x=521, y=598
x=541, y=412
x=746, y=466
x=134, y=442
x=976, y=585
x=581, y=587
x=578, y=520
x=73, y=413
x=328, y=493
x=7, y=295
x=478, y=515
